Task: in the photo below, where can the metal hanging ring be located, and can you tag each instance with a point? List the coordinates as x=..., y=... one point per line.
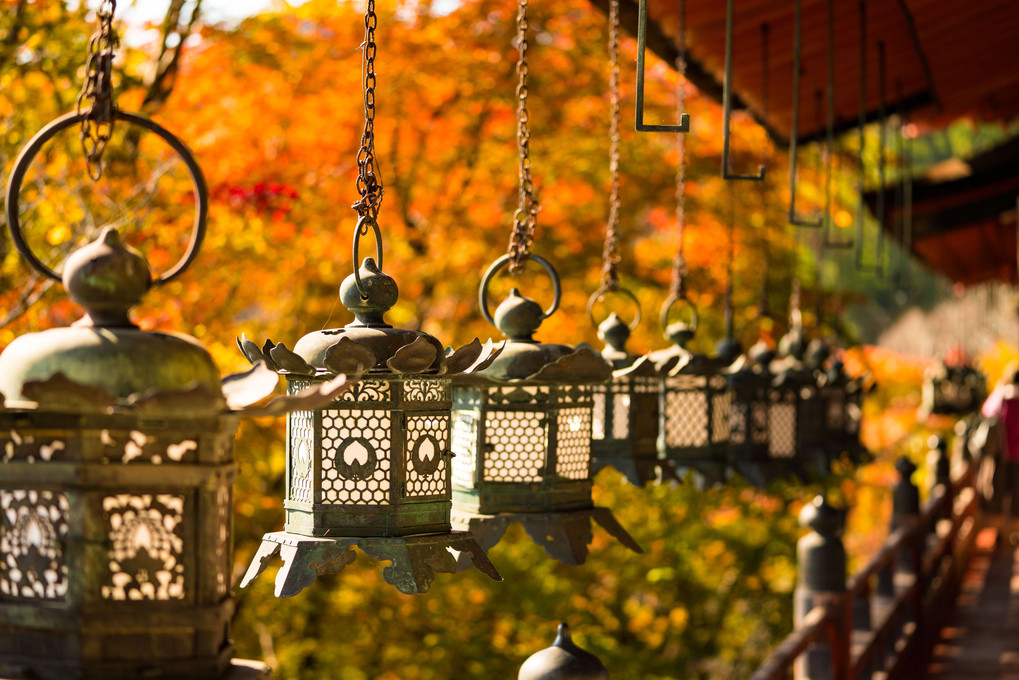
x=671, y=302
x=29, y=152
x=502, y=262
x=600, y=295
x=360, y=230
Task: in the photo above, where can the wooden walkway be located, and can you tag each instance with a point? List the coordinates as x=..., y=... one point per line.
x=981, y=640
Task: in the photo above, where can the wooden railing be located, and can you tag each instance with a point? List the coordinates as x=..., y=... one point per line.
x=887, y=620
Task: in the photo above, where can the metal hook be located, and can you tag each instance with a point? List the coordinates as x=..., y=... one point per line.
x=829, y=141
x=794, y=218
x=878, y=266
x=727, y=105
x=640, y=125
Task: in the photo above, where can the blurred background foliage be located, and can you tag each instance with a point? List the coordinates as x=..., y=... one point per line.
x=272, y=107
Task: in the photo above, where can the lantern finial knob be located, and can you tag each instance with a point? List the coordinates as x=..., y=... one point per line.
x=564, y=659
x=614, y=332
x=518, y=317
x=380, y=294
x=107, y=277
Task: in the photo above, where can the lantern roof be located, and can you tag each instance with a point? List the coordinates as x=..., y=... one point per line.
x=369, y=344
x=524, y=358
x=564, y=659
x=104, y=358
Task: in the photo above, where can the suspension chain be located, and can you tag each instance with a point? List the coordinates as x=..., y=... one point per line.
x=610, y=253
x=369, y=179
x=95, y=101
x=762, y=305
x=678, y=287
x=526, y=217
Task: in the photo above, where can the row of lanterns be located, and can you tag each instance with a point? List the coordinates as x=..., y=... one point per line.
x=117, y=444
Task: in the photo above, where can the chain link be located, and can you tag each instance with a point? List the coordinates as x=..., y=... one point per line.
x=369, y=179
x=95, y=101
x=526, y=217
x=610, y=253
x=679, y=270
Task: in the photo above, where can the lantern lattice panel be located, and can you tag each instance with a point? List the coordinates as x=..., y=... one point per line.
x=147, y=547
x=517, y=448
x=686, y=418
x=782, y=429
x=355, y=456
x=33, y=530
x=518, y=441
x=31, y=449
x=721, y=405
x=426, y=464
x=835, y=408
x=464, y=443
x=599, y=406
x=573, y=446
x=224, y=503
x=302, y=436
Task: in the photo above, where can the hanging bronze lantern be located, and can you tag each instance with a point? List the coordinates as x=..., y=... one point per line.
x=522, y=435
x=624, y=424
x=371, y=468
x=116, y=466
x=694, y=404
x=952, y=389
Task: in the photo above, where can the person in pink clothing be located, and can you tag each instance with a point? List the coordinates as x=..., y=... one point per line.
x=1003, y=406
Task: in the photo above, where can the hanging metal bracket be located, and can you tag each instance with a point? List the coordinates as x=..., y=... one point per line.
x=641, y=126
x=829, y=140
x=795, y=218
x=727, y=105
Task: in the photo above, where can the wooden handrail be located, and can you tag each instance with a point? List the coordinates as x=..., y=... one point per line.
x=913, y=556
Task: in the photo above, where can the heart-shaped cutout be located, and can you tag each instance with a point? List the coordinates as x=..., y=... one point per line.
x=355, y=453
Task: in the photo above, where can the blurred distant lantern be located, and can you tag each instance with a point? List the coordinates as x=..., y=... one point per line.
x=372, y=467
x=522, y=426
x=522, y=435
x=116, y=464
x=797, y=383
x=953, y=386
x=694, y=403
x=754, y=403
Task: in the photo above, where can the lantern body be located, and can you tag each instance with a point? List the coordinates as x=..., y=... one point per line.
x=950, y=390
x=524, y=447
x=115, y=535
x=116, y=464
x=373, y=463
x=694, y=418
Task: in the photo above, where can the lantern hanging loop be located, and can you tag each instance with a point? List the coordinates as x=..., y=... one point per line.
x=829, y=143
x=27, y=155
x=684, y=118
x=505, y=260
x=365, y=223
x=727, y=105
x=526, y=217
x=95, y=107
x=795, y=218
x=369, y=178
x=600, y=295
x=668, y=306
x=679, y=270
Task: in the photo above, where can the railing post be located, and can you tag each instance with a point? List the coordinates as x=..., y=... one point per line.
x=905, y=510
x=822, y=573
x=939, y=463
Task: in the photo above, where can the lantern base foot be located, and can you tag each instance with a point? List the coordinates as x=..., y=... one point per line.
x=413, y=559
x=637, y=471
x=565, y=535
